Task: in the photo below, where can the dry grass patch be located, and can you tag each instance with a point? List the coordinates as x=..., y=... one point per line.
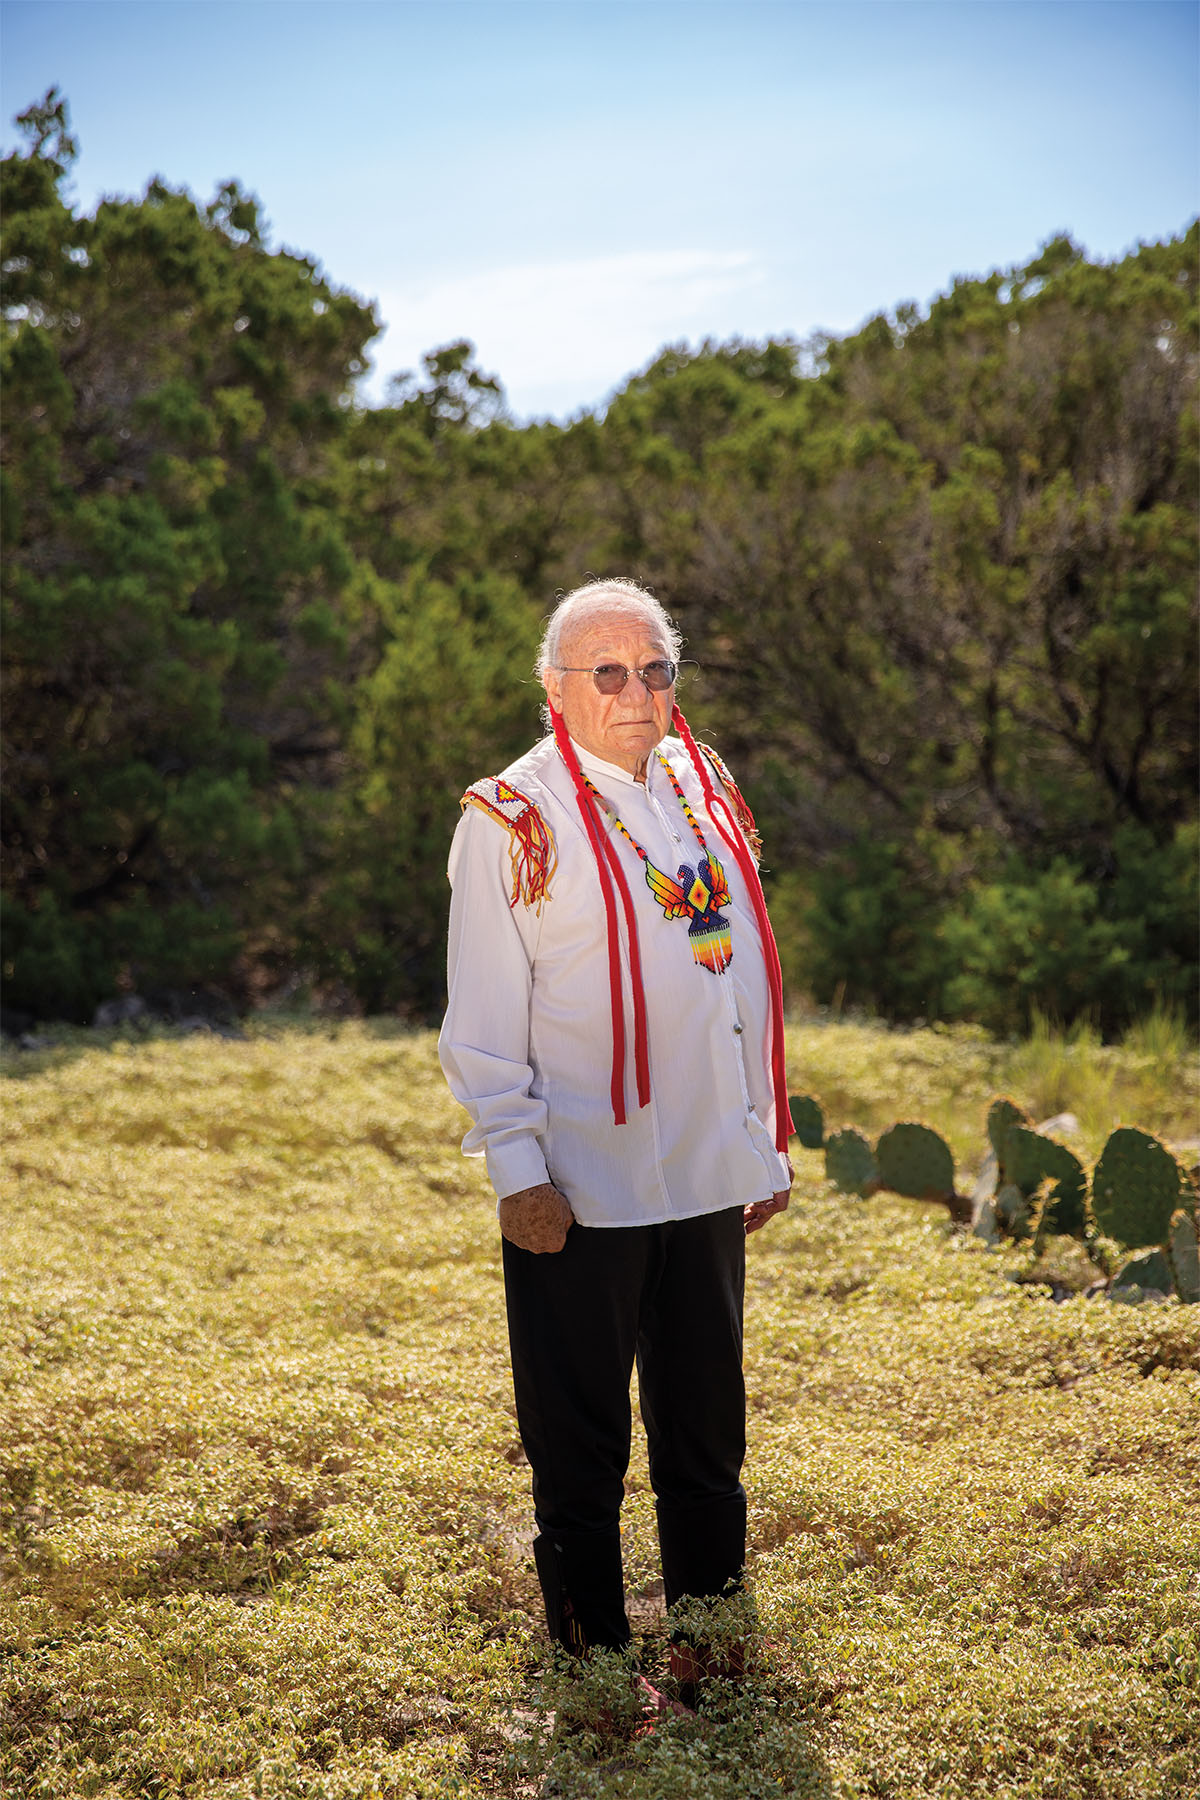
x=265, y=1517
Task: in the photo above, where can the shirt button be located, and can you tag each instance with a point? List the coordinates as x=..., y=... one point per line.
x=737, y=1030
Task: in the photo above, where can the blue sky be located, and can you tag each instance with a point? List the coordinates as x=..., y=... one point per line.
x=573, y=183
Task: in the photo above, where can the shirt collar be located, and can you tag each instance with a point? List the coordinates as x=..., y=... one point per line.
x=598, y=769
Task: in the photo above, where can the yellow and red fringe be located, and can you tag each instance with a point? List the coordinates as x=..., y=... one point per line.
x=530, y=840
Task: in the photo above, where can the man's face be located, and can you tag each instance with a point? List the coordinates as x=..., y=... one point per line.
x=622, y=728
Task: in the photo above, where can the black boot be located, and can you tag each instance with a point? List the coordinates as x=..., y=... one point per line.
x=583, y=1585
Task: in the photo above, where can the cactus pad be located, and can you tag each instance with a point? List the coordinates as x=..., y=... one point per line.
x=850, y=1162
x=1033, y=1159
x=807, y=1120
x=1183, y=1253
x=1149, y=1271
x=1013, y=1211
x=1136, y=1188
x=1002, y=1114
x=915, y=1160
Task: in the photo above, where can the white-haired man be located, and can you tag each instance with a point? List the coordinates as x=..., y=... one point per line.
x=615, y=1030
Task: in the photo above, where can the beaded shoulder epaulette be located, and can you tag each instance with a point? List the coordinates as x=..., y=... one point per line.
x=530, y=839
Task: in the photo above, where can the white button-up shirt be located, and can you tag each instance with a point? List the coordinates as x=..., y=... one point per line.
x=526, y=1044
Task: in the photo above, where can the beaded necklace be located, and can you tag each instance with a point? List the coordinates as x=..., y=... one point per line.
x=739, y=835
x=695, y=894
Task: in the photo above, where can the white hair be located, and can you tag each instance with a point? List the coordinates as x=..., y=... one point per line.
x=582, y=604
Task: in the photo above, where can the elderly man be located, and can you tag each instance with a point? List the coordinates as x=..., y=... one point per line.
x=615, y=1031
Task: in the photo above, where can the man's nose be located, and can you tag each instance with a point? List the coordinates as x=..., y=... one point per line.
x=634, y=689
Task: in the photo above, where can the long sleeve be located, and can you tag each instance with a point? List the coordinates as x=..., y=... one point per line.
x=484, y=1042
x=527, y=1042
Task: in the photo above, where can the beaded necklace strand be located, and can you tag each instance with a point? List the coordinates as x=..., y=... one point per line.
x=618, y=824
x=736, y=839
x=738, y=835
x=695, y=894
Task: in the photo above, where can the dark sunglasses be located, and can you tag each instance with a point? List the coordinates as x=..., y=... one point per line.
x=610, y=678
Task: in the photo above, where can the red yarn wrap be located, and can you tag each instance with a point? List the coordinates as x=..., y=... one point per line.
x=608, y=867
x=736, y=841
x=745, y=817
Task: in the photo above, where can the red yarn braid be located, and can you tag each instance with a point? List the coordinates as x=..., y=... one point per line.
x=606, y=861
x=736, y=841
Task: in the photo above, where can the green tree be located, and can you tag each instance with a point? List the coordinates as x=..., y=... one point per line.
x=173, y=577
x=939, y=577
x=450, y=698
x=944, y=591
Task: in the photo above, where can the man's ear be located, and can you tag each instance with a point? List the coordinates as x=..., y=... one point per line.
x=552, y=682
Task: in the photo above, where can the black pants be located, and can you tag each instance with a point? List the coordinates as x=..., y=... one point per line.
x=670, y=1297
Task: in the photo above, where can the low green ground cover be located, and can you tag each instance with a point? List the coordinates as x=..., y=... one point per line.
x=265, y=1513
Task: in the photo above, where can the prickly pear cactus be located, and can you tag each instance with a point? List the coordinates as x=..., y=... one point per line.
x=914, y=1160
x=1183, y=1253
x=850, y=1162
x=1002, y=1114
x=807, y=1120
x=1136, y=1187
x=1013, y=1211
x=1033, y=1159
x=1148, y=1272
x=1023, y=1157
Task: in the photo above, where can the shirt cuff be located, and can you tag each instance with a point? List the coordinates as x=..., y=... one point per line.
x=516, y=1165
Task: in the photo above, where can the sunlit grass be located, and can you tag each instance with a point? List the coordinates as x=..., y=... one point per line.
x=266, y=1519
x=869, y=1076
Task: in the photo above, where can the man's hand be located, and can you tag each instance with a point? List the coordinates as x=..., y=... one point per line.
x=537, y=1219
x=757, y=1214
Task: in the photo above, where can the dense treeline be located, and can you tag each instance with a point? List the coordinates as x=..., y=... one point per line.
x=939, y=577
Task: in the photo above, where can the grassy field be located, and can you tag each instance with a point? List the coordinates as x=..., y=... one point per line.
x=265, y=1515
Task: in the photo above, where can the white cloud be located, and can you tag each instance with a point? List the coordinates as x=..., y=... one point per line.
x=561, y=335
